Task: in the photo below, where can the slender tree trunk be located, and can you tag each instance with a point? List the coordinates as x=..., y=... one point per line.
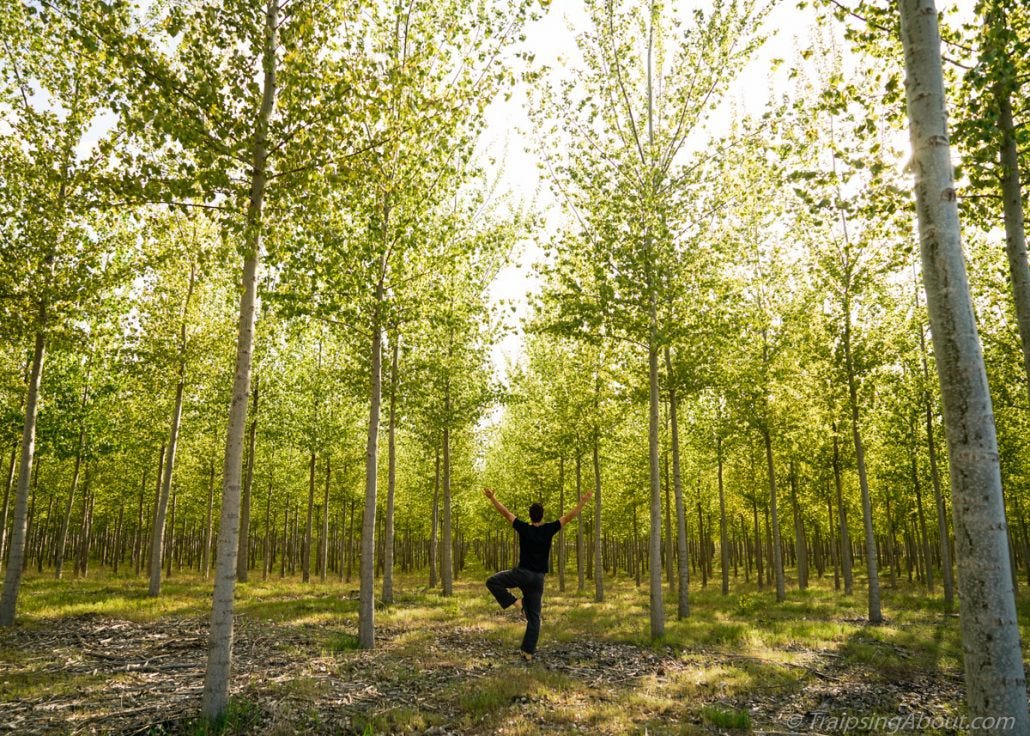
x=447, y=564
x=1015, y=233
x=598, y=565
x=580, y=580
x=243, y=551
x=62, y=543
x=924, y=538
x=777, y=556
x=670, y=567
x=655, y=538
x=366, y=609
x=800, y=543
x=935, y=477
x=219, y=662
x=995, y=679
x=7, y=500
x=723, y=542
x=157, y=538
x=323, y=542
x=305, y=558
x=137, y=541
x=845, y=539
x=875, y=614
x=391, y=476
x=16, y=560
x=561, y=532
x=208, y=529
x=434, y=532
x=682, y=561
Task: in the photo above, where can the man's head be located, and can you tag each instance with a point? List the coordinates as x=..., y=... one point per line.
x=536, y=512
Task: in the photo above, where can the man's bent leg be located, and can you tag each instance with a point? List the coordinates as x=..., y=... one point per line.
x=499, y=584
x=532, y=602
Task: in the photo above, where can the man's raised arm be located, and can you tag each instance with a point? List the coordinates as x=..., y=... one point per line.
x=489, y=493
x=575, y=511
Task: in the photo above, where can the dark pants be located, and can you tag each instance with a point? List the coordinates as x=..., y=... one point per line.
x=532, y=586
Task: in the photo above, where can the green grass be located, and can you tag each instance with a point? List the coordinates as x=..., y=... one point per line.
x=727, y=717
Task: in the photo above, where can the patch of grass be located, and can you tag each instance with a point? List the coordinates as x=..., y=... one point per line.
x=241, y=717
x=341, y=641
x=727, y=717
x=396, y=720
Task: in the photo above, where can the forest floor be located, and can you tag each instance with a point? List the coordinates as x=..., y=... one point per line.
x=99, y=656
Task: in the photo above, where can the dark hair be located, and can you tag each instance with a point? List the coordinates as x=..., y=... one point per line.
x=536, y=512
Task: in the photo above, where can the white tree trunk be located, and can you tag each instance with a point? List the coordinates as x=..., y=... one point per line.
x=366, y=595
x=16, y=562
x=243, y=546
x=777, y=553
x=682, y=561
x=391, y=478
x=219, y=660
x=657, y=609
x=995, y=679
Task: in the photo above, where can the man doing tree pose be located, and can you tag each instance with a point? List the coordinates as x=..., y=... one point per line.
x=528, y=575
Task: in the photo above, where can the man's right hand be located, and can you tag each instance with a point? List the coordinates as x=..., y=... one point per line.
x=489, y=493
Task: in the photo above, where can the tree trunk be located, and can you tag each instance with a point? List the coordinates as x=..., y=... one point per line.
x=598, y=567
x=208, y=530
x=157, y=537
x=723, y=543
x=845, y=539
x=580, y=580
x=62, y=542
x=777, y=556
x=323, y=541
x=16, y=560
x=434, y=532
x=219, y=661
x=391, y=476
x=875, y=614
x=305, y=558
x=561, y=532
x=655, y=538
x=7, y=500
x=995, y=679
x=243, y=551
x=137, y=542
x=446, y=563
x=366, y=604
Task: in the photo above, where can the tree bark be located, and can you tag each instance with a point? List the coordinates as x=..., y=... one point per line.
x=366, y=603
x=16, y=561
x=875, y=614
x=391, y=476
x=657, y=609
x=305, y=558
x=243, y=551
x=598, y=563
x=447, y=563
x=777, y=556
x=216, y=680
x=433, y=534
x=323, y=540
x=845, y=539
x=723, y=541
x=995, y=679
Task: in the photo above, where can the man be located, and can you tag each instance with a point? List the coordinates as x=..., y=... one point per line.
x=528, y=575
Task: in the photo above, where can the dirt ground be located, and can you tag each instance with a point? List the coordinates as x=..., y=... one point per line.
x=92, y=674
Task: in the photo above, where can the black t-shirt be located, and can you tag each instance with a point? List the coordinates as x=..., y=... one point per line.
x=535, y=544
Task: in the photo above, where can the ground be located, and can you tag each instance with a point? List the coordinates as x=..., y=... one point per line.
x=99, y=656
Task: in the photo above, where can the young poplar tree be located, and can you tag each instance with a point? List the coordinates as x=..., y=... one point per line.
x=53, y=87
x=644, y=89
x=995, y=679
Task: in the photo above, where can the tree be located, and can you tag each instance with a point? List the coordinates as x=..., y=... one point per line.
x=995, y=680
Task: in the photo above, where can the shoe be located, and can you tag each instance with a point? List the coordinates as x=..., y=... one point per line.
x=526, y=656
